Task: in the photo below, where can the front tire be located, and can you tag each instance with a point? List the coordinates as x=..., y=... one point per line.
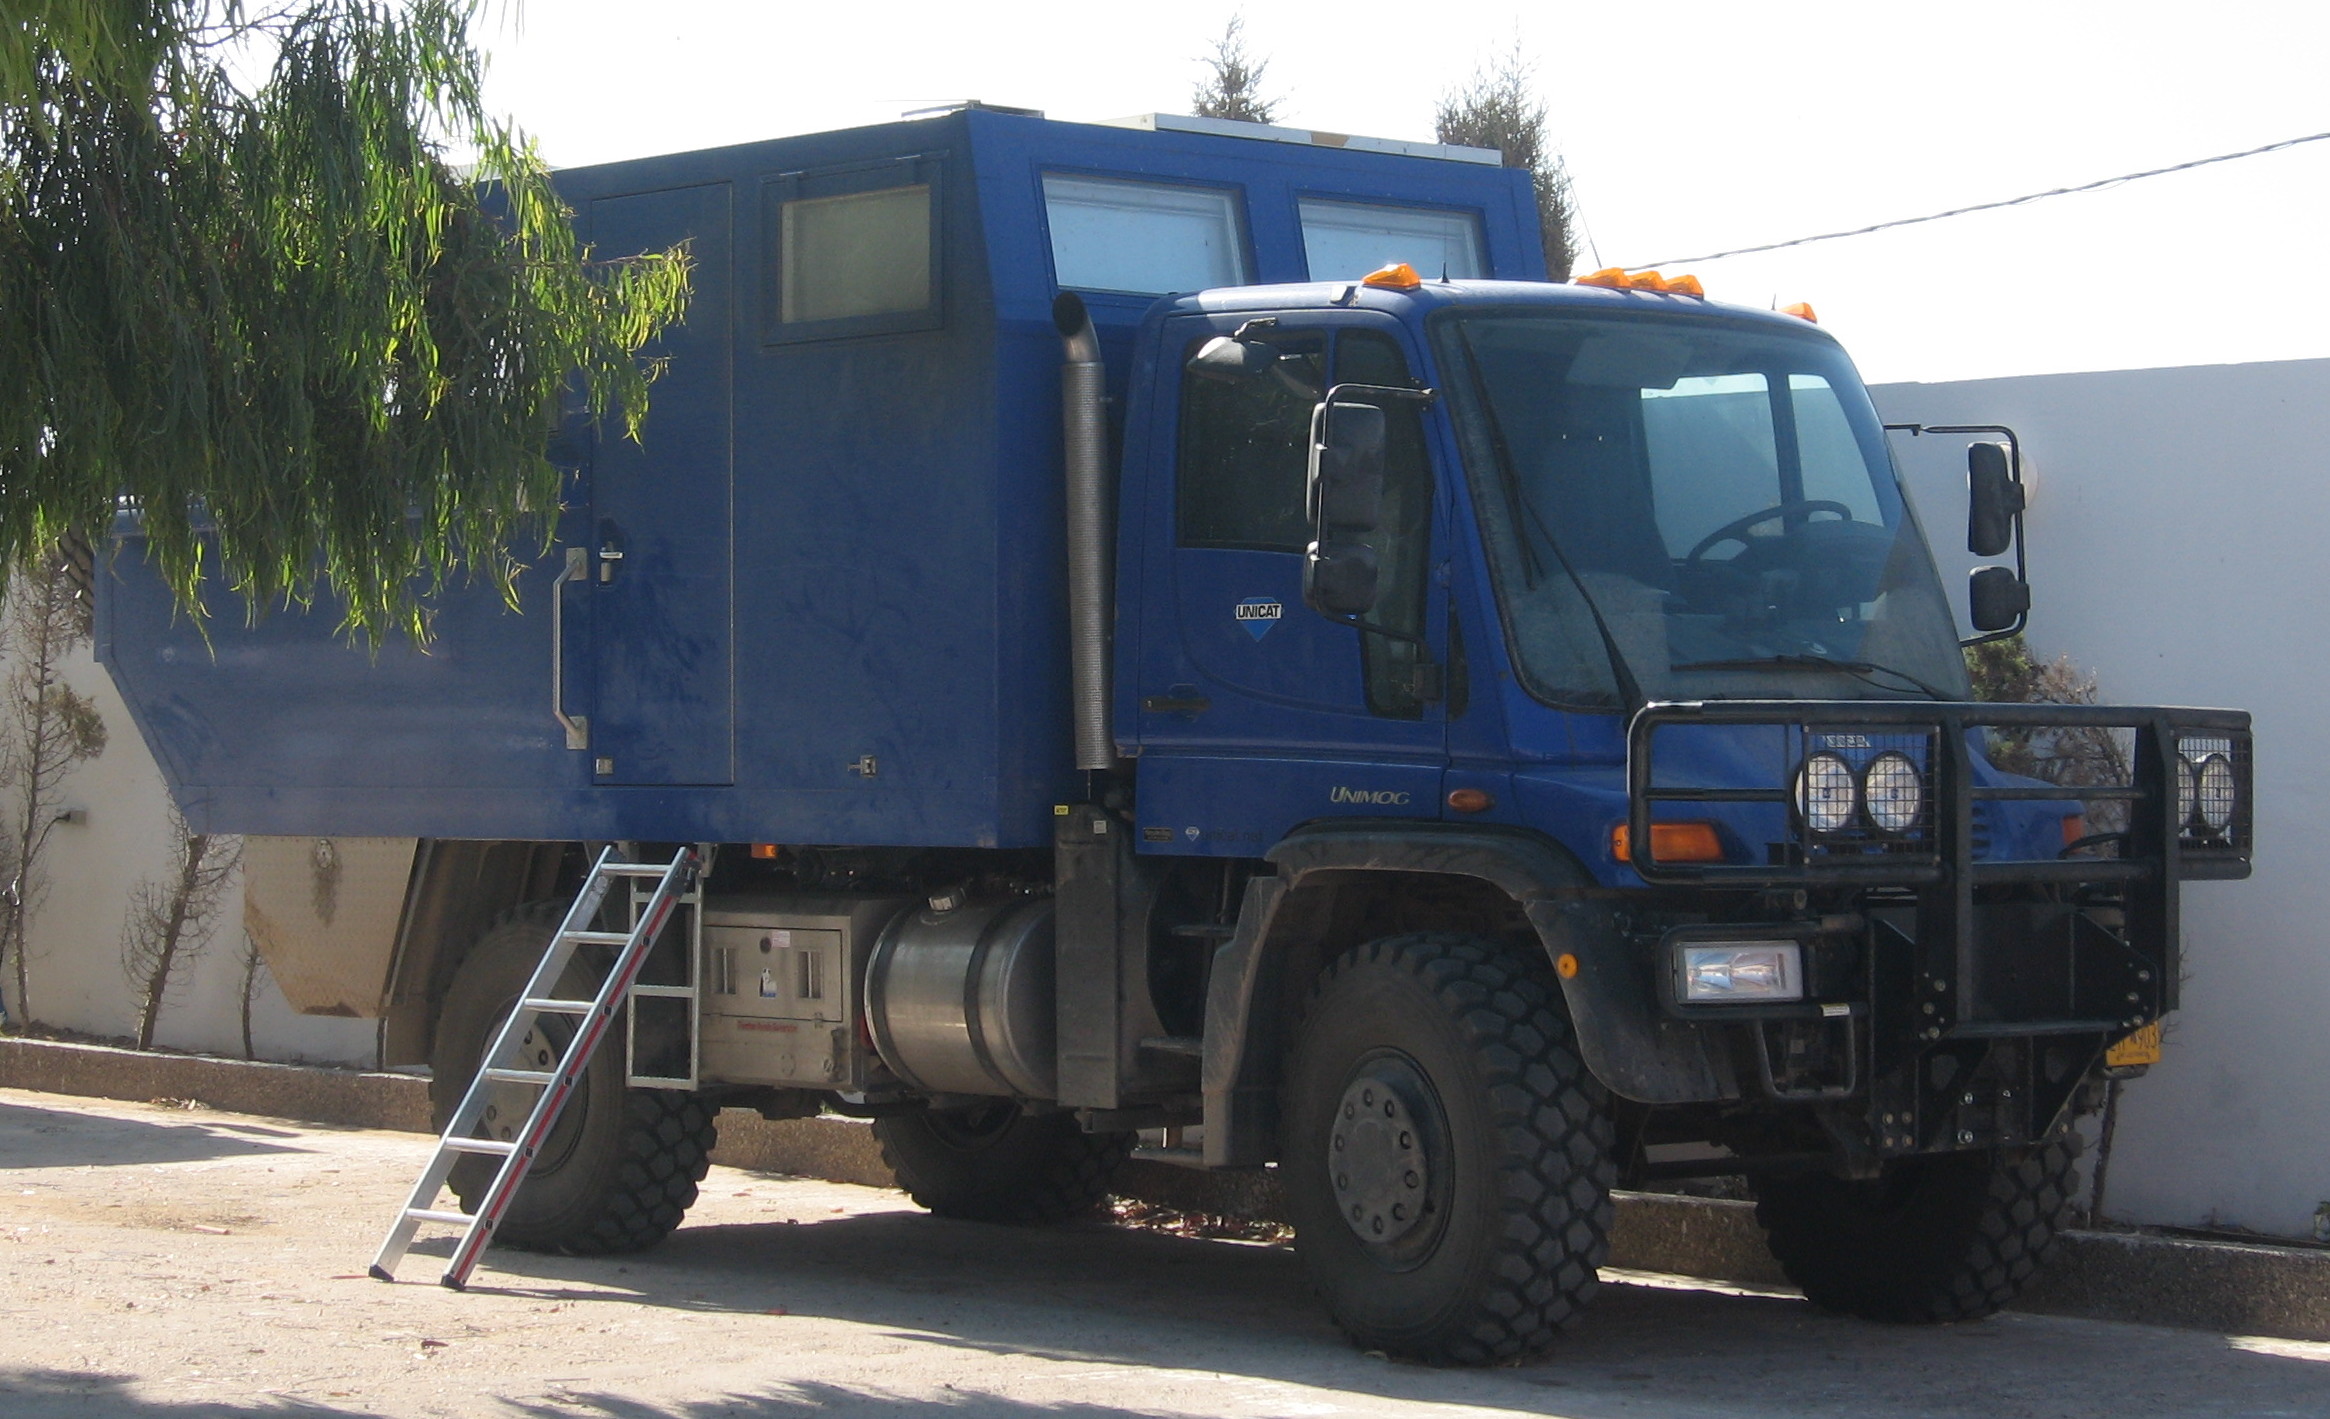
x=999, y=1163
x=620, y=1167
x=1935, y=1239
x=1446, y=1155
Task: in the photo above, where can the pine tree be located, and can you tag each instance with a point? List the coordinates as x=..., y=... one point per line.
x=1498, y=108
x=1232, y=86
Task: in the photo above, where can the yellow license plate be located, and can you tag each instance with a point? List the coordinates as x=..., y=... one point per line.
x=2142, y=1047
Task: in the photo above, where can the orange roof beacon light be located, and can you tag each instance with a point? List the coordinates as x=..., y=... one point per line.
x=1618, y=278
x=1399, y=276
x=1802, y=310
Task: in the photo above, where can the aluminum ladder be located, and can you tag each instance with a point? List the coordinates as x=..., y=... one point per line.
x=650, y=909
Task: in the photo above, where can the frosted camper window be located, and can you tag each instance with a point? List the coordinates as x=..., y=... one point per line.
x=851, y=251
x=1146, y=238
x=1343, y=241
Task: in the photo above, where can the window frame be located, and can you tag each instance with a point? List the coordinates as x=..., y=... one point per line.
x=1241, y=226
x=849, y=180
x=1474, y=215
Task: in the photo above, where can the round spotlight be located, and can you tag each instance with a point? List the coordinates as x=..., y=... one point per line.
x=2185, y=774
x=1894, y=791
x=1825, y=792
x=2214, y=792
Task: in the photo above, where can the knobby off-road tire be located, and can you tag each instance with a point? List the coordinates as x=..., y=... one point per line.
x=620, y=1167
x=1000, y=1164
x=1446, y=1155
x=1935, y=1239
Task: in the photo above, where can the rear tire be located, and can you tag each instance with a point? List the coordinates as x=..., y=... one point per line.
x=620, y=1168
x=1446, y=1155
x=1936, y=1239
x=999, y=1163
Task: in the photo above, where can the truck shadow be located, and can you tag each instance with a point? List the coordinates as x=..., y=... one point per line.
x=1098, y=1294
x=104, y=1141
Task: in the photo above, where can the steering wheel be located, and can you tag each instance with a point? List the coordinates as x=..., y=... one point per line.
x=1736, y=530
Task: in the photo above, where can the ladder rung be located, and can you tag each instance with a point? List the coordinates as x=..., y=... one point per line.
x=658, y=1081
x=669, y=992
x=518, y=1076
x=481, y=1145
x=557, y=1007
x=635, y=869
x=423, y=1214
x=599, y=938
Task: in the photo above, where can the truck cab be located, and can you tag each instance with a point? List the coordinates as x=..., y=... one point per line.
x=1182, y=629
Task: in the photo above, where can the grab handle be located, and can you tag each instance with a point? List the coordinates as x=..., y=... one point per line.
x=578, y=727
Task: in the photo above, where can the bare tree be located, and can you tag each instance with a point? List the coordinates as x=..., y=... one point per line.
x=171, y=917
x=1232, y=86
x=1498, y=108
x=253, y=963
x=46, y=728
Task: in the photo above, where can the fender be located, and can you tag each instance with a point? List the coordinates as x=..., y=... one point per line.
x=1628, y=1044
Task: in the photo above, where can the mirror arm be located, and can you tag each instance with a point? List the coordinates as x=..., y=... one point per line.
x=1424, y=396
x=2014, y=455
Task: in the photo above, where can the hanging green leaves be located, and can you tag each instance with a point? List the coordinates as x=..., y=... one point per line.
x=268, y=316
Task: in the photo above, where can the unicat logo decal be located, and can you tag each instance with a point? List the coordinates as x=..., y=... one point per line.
x=1375, y=797
x=1258, y=614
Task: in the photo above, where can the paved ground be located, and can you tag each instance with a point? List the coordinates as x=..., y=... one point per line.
x=161, y=1263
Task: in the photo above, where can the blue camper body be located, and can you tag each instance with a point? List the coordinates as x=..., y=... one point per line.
x=1183, y=627
x=840, y=540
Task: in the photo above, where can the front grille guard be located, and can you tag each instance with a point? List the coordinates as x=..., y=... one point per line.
x=2161, y=843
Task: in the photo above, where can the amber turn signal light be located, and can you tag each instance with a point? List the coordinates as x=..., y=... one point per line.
x=1670, y=842
x=1470, y=800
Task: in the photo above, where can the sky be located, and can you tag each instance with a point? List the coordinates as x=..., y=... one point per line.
x=1687, y=128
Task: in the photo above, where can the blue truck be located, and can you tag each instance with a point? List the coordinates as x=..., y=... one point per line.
x=1180, y=627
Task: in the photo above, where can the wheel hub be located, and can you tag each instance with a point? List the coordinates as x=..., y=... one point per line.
x=1377, y=1162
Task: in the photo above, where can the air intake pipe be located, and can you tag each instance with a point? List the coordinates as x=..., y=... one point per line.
x=1091, y=529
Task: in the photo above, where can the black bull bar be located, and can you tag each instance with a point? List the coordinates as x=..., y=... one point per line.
x=2163, y=844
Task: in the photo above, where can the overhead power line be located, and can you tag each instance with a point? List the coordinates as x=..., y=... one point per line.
x=1987, y=206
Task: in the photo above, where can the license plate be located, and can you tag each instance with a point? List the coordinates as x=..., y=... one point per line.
x=2142, y=1047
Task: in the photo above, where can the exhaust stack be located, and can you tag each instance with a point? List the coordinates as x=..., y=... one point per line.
x=1091, y=529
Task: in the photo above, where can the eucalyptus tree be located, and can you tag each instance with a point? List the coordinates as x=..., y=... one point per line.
x=246, y=296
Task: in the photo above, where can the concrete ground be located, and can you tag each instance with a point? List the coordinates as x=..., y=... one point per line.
x=166, y=1263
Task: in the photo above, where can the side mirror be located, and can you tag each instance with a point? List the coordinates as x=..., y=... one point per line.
x=1229, y=359
x=1345, y=489
x=1993, y=500
x=1339, y=578
x=1996, y=599
x=1345, y=499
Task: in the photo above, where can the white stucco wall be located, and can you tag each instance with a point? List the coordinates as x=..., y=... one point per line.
x=90, y=866
x=2177, y=540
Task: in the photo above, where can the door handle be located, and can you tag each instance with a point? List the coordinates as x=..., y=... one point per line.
x=578, y=727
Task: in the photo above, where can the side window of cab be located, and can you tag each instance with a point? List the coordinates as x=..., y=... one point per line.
x=1244, y=457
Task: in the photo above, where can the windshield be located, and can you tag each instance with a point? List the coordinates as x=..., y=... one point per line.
x=1712, y=508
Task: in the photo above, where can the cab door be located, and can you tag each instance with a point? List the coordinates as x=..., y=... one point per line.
x=1257, y=714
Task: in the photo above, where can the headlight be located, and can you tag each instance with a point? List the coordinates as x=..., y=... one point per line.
x=2185, y=774
x=1894, y=792
x=2214, y=792
x=1738, y=972
x=1825, y=792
